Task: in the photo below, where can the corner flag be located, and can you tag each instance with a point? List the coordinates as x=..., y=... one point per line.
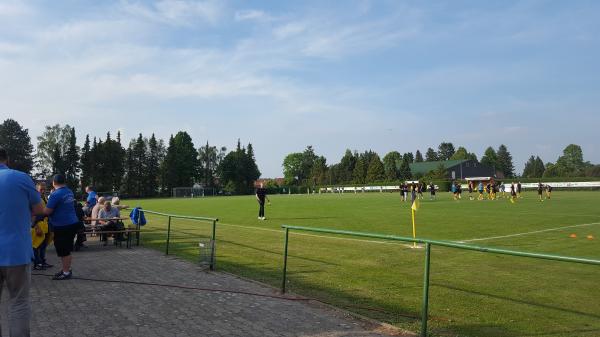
x=413, y=208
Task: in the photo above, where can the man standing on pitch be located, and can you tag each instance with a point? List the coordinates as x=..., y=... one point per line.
x=261, y=195
x=19, y=200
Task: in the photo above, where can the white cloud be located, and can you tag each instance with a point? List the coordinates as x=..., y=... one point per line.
x=252, y=15
x=177, y=12
x=12, y=9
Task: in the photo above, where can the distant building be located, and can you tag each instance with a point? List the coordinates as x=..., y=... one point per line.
x=455, y=169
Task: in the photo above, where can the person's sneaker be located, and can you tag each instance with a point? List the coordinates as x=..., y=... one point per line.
x=38, y=267
x=62, y=276
x=57, y=274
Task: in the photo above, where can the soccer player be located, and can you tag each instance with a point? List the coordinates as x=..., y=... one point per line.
x=513, y=192
x=488, y=190
x=459, y=189
x=503, y=189
x=548, y=191
x=470, y=190
x=261, y=195
x=480, y=189
x=432, y=191
x=540, y=191
x=420, y=190
x=454, y=191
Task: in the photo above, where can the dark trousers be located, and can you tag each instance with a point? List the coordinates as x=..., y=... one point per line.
x=39, y=253
x=261, y=209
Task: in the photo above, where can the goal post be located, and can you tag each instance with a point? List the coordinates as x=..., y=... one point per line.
x=192, y=192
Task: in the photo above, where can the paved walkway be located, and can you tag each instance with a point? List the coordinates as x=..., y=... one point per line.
x=95, y=308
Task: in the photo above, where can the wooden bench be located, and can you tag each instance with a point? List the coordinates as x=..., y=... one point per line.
x=128, y=233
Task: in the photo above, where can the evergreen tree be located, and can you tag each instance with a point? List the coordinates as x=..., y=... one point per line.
x=409, y=157
x=71, y=162
x=431, y=155
x=238, y=170
x=139, y=157
x=360, y=170
x=505, y=162
x=58, y=162
x=130, y=168
x=152, y=168
x=181, y=161
x=539, y=167
x=529, y=170
x=490, y=158
x=319, y=172
x=418, y=157
x=445, y=151
x=375, y=171
x=86, y=163
x=16, y=141
x=391, y=164
x=346, y=168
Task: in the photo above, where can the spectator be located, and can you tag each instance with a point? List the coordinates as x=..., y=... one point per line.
x=91, y=201
x=41, y=234
x=81, y=237
x=61, y=211
x=97, y=209
x=18, y=202
x=109, y=220
x=116, y=203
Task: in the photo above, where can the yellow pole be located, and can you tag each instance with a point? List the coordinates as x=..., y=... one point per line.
x=414, y=227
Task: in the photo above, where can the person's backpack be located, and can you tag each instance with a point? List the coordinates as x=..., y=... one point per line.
x=137, y=214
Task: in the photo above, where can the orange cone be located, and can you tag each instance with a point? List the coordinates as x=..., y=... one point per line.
x=573, y=236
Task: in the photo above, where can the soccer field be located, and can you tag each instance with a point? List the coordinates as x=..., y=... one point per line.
x=472, y=293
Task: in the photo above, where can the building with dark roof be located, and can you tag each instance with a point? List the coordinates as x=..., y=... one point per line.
x=455, y=169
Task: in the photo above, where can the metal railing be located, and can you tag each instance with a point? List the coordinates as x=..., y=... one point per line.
x=428, y=244
x=187, y=217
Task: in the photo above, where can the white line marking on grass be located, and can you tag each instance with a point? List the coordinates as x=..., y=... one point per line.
x=320, y=236
x=527, y=233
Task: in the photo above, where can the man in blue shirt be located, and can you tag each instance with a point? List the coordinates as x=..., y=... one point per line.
x=91, y=200
x=61, y=211
x=19, y=200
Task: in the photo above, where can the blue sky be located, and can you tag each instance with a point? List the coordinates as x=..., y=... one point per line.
x=381, y=75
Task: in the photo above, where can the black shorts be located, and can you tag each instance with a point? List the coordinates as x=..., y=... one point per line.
x=63, y=239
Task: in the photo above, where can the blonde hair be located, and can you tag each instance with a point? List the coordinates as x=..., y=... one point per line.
x=115, y=201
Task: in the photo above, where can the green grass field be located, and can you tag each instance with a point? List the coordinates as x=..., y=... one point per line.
x=472, y=293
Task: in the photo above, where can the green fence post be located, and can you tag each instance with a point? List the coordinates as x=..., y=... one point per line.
x=168, y=235
x=424, y=313
x=214, y=242
x=138, y=227
x=285, y=256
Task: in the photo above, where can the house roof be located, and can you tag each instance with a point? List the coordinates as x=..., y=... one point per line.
x=428, y=166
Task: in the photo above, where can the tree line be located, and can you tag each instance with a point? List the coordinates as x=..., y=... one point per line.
x=309, y=169
x=146, y=167
x=149, y=167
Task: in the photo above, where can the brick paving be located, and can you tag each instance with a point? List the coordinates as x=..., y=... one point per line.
x=91, y=308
